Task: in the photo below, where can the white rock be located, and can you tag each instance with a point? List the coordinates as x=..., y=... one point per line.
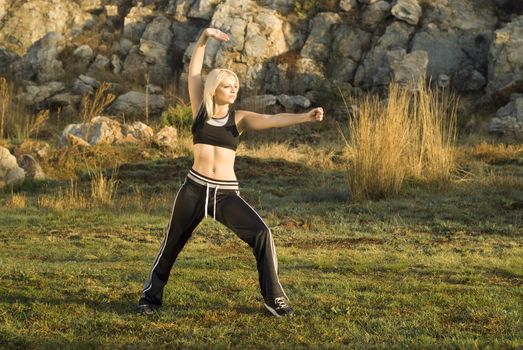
x=10, y=172
x=408, y=11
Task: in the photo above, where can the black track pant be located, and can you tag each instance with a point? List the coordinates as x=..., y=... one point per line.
x=198, y=196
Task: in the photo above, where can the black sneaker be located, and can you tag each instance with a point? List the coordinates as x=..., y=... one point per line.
x=278, y=307
x=146, y=308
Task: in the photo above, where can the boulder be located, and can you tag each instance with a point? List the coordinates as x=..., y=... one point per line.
x=38, y=93
x=509, y=118
x=85, y=84
x=203, y=9
x=30, y=20
x=505, y=69
x=136, y=21
x=83, y=56
x=104, y=130
x=318, y=44
x=468, y=80
x=408, y=69
x=32, y=169
x=10, y=172
x=456, y=35
x=293, y=103
x=375, y=13
x=100, y=64
x=408, y=11
x=133, y=103
x=347, y=49
x=43, y=57
x=374, y=70
x=348, y=5
x=166, y=137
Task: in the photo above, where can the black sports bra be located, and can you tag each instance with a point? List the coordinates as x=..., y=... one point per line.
x=226, y=136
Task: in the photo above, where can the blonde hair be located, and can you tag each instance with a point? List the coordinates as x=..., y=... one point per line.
x=215, y=77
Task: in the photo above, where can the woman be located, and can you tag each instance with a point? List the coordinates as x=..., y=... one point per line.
x=211, y=186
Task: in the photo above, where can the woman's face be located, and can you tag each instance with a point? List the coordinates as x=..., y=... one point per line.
x=226, y=92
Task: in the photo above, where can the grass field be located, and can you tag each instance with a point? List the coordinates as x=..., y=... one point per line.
x=428, y=269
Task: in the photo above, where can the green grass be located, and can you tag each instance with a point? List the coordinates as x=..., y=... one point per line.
x=427, y=269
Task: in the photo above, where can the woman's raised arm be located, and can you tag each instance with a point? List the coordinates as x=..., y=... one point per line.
x=194, y=79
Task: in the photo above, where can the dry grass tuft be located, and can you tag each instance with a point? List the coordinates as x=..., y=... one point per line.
x=94, y=105
x=103, y=188
x=69, y=197
x=494, y=153
x=16, y=201
x=411, y=134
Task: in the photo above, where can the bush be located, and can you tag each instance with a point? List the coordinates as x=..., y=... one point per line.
x=411, y=134
x=179, y=116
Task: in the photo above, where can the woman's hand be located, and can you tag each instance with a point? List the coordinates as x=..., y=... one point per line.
x=215, y=34
x=316, y=114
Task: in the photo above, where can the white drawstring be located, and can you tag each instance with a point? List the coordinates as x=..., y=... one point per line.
x=206, y=200
x=215, y=191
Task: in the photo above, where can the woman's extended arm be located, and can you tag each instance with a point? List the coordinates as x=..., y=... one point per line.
x=194, y=79
x=255, y=121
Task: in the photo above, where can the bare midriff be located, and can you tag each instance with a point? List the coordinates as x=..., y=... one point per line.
x=214, y=162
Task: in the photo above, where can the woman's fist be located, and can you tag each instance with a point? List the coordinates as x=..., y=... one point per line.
x=316, y=114
x=215, y=34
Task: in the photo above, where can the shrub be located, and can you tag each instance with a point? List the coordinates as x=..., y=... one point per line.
x=411, y=134
x=179, y=116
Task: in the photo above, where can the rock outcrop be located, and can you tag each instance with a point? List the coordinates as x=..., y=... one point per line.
x=60, y=50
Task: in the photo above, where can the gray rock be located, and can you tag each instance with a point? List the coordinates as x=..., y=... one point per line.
x=512, y=109
x=445, y=51
x=116, y=63
x=65, y=99
x=10, y=172
x=309, y=75
x=348, y=5
x=407, y=10
x=375, y=13
x=443, y=81
x=318, y=44
x=100, y=64
x=347, y=50
x=505, y=70
x=374, y=70
x=32, y=169
x=136, y=21
x=468, y=80
x=293, y=103
x=408, y=69
x=203, y=9
x=38, y=93
x=85, y=84
x=133, y=103
x=43, y=57
x=30, y=20
x=83, y=55
x=159, y=31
